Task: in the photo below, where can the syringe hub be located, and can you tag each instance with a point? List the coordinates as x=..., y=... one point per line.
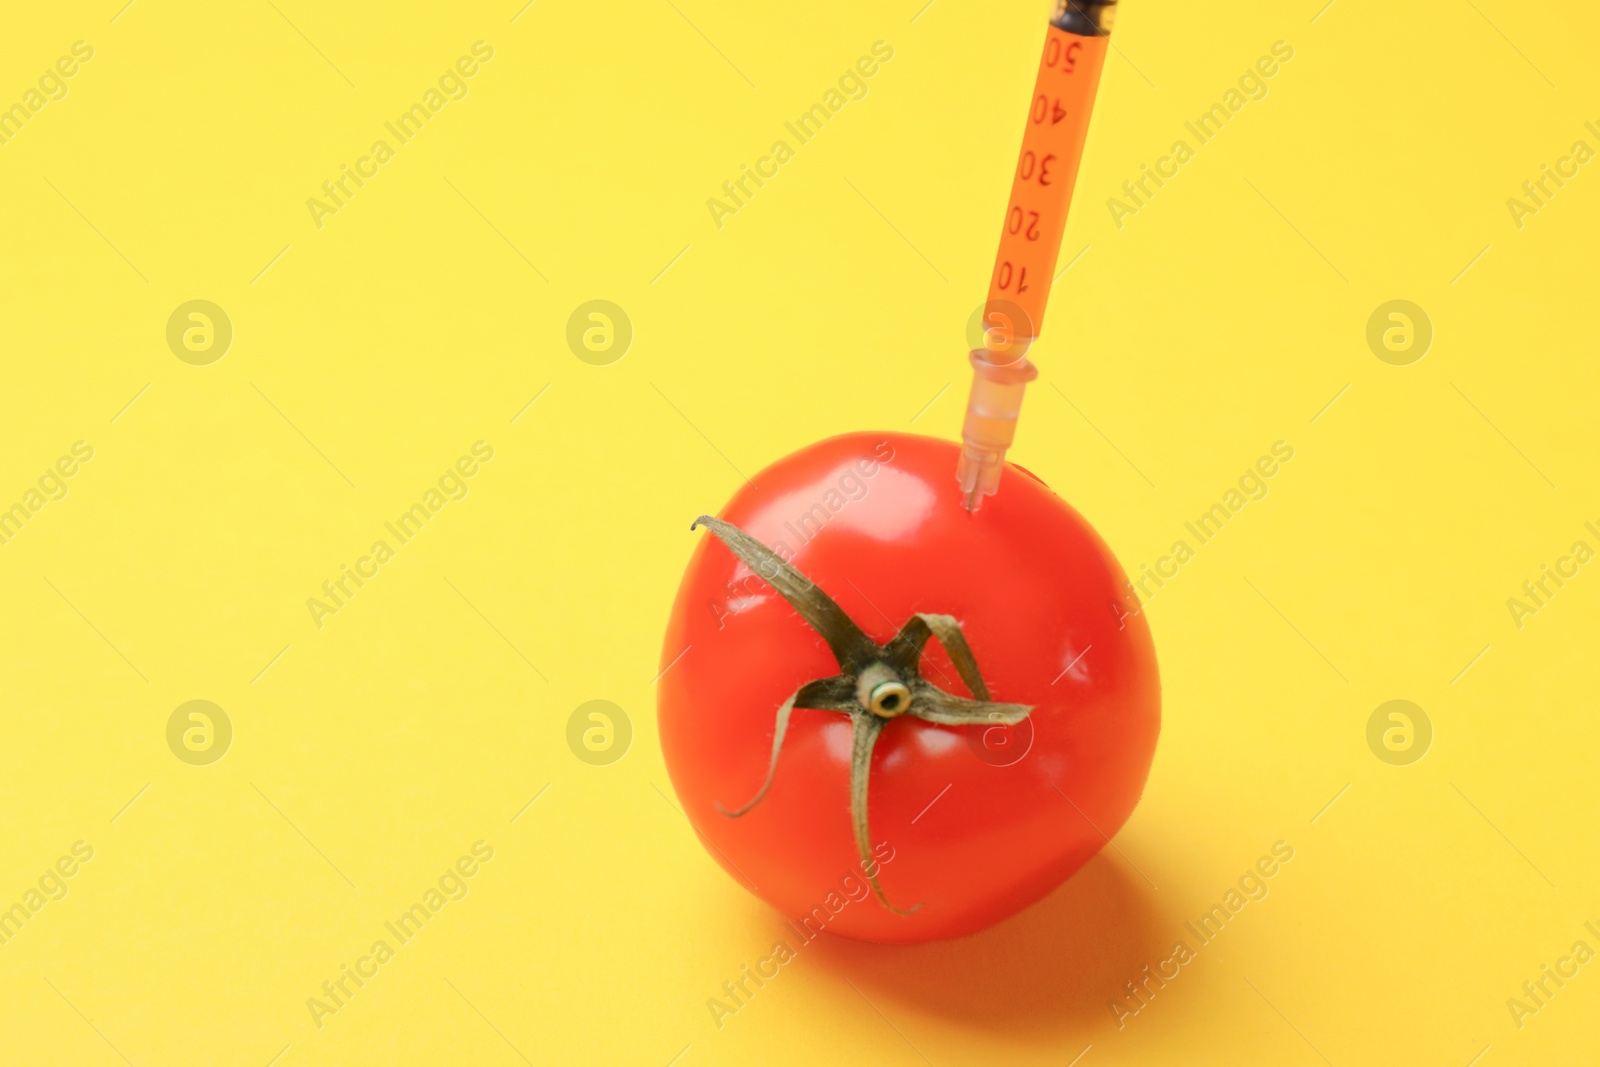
x=991, y=422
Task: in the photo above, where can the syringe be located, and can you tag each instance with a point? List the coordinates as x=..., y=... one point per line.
x=1030, y=240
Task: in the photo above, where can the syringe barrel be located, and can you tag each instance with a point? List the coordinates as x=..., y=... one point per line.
x=1030, y=240
x=1047, y=169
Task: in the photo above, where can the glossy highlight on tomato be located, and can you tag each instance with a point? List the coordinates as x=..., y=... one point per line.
x=968, y=823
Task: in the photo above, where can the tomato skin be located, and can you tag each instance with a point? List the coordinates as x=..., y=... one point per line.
x=1044, y=606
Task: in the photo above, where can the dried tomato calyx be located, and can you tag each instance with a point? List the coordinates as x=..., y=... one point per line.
x=875, y=684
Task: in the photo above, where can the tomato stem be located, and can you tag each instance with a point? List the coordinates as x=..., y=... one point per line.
x=876, y=683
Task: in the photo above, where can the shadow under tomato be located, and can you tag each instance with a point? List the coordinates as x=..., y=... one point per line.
x=1049, y=971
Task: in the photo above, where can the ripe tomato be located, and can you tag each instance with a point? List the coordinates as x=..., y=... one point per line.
x=967, y=823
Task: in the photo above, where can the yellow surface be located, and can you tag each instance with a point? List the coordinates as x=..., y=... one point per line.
x=370, y=753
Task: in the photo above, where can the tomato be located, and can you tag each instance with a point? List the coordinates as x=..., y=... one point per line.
x=956, y=826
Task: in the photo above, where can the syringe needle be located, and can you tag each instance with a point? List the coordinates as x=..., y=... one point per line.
x=991, y=421
x=1041, y=192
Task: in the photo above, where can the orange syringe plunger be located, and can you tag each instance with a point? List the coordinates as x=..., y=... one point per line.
x=1030, y=240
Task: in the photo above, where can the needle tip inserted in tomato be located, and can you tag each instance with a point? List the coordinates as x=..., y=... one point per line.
x=991, y=422
x=1030, y=240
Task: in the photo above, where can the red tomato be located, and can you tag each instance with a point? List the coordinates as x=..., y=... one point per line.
x=968, y=823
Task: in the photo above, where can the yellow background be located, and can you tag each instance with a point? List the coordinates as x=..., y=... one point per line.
x=370, y=753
